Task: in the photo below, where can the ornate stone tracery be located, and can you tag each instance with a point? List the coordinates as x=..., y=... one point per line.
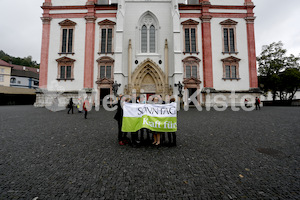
x=149, y=77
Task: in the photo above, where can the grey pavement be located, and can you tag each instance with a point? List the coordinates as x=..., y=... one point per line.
x=219, y=155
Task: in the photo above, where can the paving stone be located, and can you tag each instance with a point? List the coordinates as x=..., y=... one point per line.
x=59, y=156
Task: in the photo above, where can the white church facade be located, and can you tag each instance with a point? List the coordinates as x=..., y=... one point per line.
x=148, y=46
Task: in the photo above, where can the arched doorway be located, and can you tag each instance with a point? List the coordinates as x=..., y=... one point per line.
x=148, y=78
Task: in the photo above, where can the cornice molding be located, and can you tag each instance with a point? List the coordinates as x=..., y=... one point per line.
x=229, y=22
x=106, y=22
x=67, y=22
x=46, y=20
x=231, y=59
x=65, y=60
x=190, y=22
x=250, y=20
x=105, y=59
x=206, y=18
x=90, y=18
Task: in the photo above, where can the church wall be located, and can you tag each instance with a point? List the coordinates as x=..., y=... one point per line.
x=217, y=55
x=79, y=49
x=131, y=31
x=227, y=2
x=68, y=2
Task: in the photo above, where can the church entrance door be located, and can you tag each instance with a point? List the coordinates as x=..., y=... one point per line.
x=103, y=93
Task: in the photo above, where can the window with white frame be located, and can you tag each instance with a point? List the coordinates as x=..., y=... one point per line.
x=191, y=67
x=67, y=37
x=231, y=68
x=190, y=36
x=65, y=68
x=148, y=34
x=229, y=36
x=106, y=36
x=105, y=67
x=1, y=78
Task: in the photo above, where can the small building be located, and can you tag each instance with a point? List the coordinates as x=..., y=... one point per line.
x=5, y=71
x=18, y=84
x=24, y=77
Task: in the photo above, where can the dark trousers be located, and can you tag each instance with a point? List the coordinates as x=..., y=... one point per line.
x=121, y=135
x=85, y=113
x=70, y=108
x=257, y=106
x=172, y=138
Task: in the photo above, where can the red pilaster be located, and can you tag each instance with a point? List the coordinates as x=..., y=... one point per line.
x=47, y=3
x=206, y=46
x=253, y=81
x=89, y=47
x=45, y=46
x=251, y=52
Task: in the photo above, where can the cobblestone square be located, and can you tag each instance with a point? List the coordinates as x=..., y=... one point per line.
x=219, y=155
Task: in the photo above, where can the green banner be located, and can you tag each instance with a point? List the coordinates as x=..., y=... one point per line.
x=160, y=118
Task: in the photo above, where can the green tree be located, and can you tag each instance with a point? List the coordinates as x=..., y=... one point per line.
x=27, y=61
x=272, y=62
x=289, y=84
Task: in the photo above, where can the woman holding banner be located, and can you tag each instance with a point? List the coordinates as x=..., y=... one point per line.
x=156, y=135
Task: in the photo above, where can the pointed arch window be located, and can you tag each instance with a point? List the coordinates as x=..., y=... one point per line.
x=144, y=39
x=148, y=34
x=152, y=39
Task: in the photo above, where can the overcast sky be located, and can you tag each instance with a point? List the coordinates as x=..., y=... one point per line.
x=21, y=26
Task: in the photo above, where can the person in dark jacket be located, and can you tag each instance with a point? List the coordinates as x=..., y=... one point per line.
x=122, y=137
x=70, y=105
x=257, y=103
x=172, y=135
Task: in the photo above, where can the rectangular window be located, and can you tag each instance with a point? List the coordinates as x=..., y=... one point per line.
x=103, y=40
x=227, y=71
x=187, y=40
x=67, y=41
x=188, y=71
x=193, y=39
x=194, y=71
x=232, y=48
x=2, y=70
x=109, y=40
x=229, y=40
x=68, y=72
x=62, y=72
x=70, y=41
x=108, y=72
x=233, y=71
x=64, y=41
x=1, y=78
x=226, y=47
x=102, y=72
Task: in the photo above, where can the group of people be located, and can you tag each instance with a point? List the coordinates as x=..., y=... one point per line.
x=257, y=103
x=84, y=107
x=137, y=138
